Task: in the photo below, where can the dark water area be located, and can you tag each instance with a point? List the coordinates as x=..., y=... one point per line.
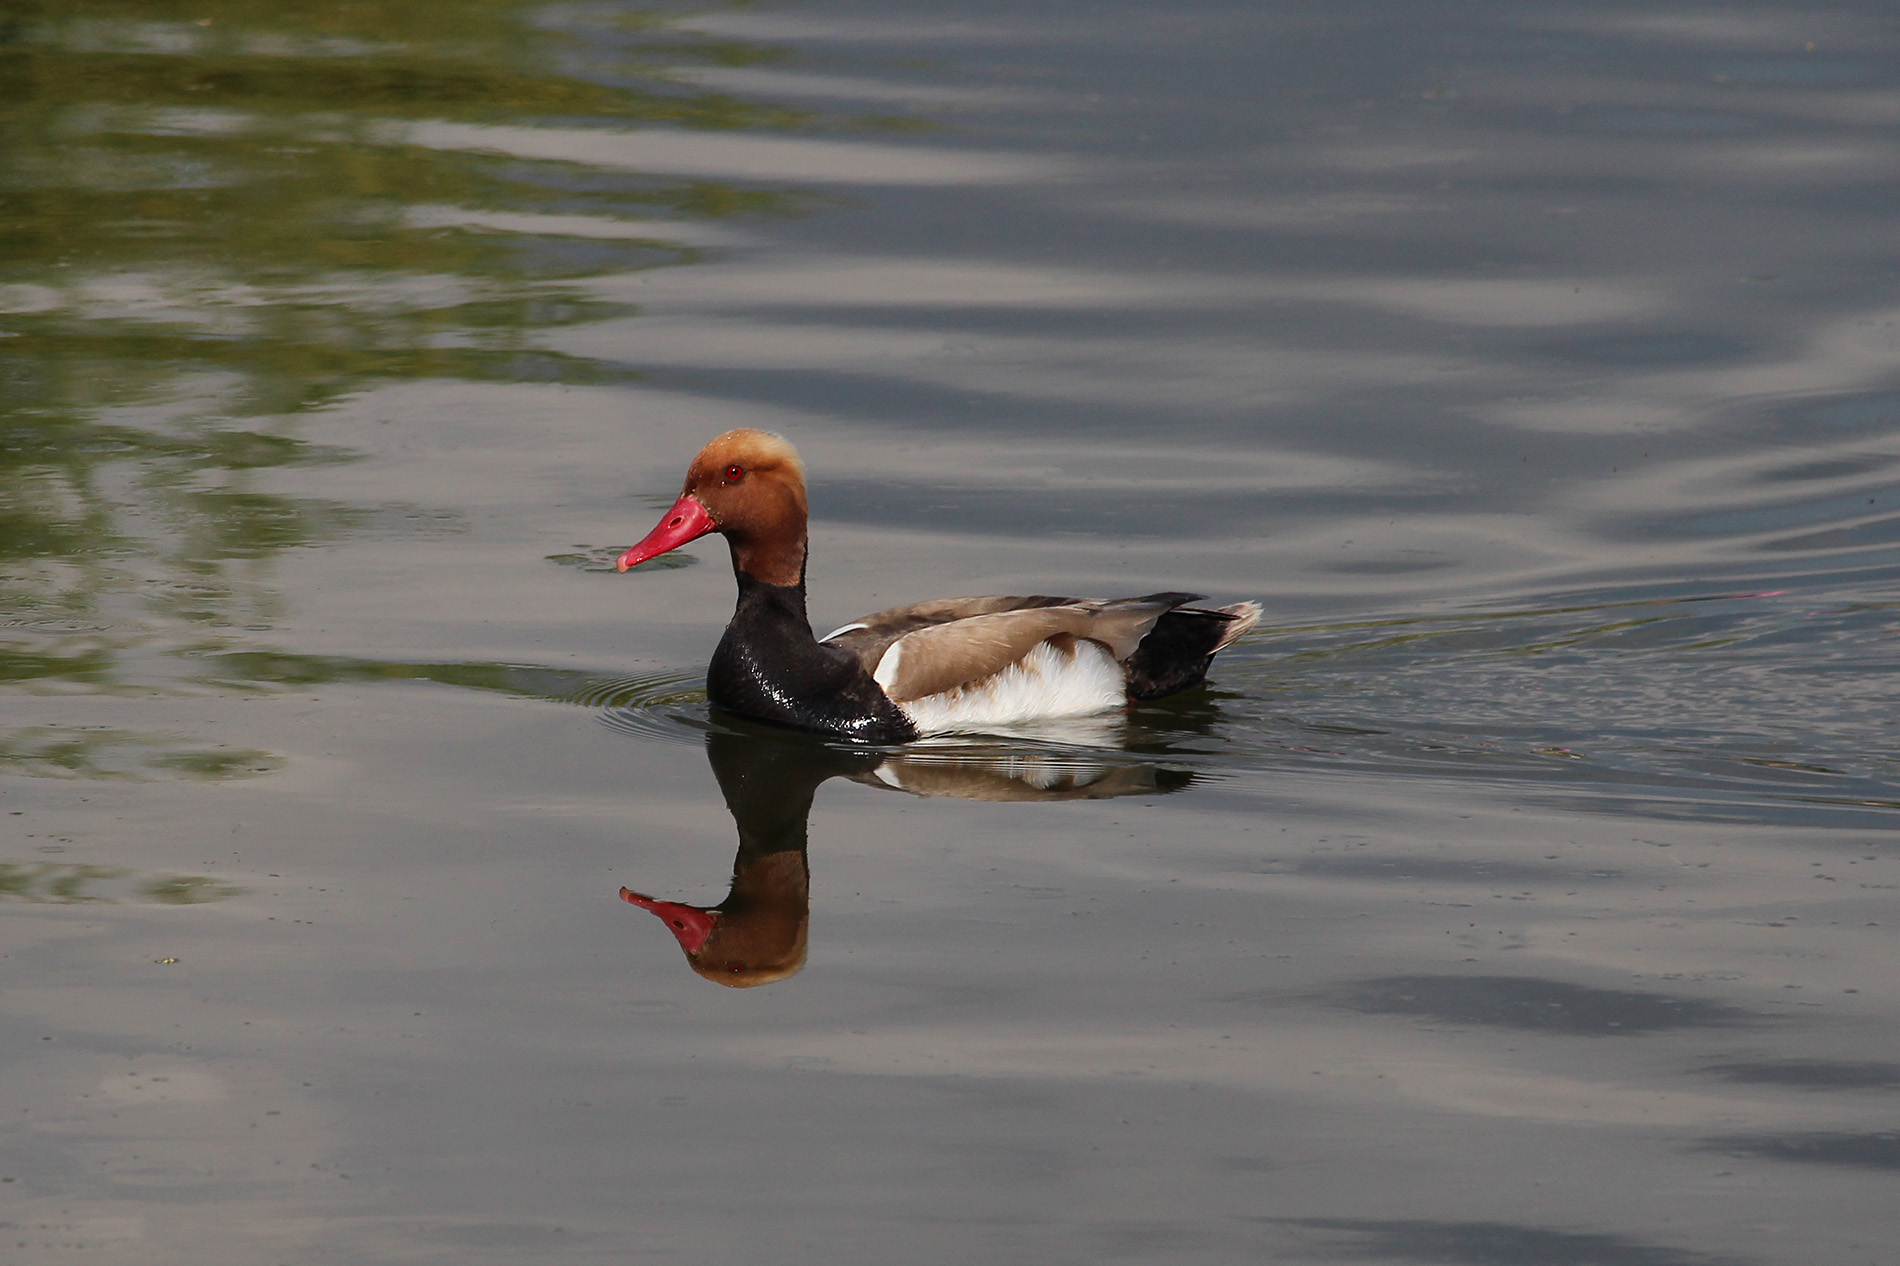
x=1522, y=891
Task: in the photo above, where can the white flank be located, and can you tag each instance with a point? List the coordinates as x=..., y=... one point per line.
x=844, y=628
x=886, y=671
x=1044, y=683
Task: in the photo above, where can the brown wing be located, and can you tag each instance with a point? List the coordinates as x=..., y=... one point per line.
x=932, y=657
x=941, y=657
x=868, y=637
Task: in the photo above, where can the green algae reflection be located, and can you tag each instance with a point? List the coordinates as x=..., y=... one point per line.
x=78, y=883
x=98, y=751
x=217, y=221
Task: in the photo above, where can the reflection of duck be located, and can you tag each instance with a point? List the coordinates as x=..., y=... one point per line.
x=757, y=934
x=952, y=664
x=1000, y=775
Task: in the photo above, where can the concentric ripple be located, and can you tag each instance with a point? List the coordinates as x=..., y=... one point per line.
x=670, y=707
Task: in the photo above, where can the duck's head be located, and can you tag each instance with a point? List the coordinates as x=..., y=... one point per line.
x=750, y=486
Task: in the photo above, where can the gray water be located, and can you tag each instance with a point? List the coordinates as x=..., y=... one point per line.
x=1522, y=893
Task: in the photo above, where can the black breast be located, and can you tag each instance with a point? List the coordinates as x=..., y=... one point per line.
x=769, y=667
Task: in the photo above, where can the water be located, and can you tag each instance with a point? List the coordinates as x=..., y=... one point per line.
x=1522, y=892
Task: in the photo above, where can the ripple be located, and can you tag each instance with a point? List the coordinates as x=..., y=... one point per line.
x=1077, y=758
x=1812, y=1074
x=1872, y=1150
x=1715, y=706
x=1534, y=1004
x=1727, y=706
x=598, y=558
x=670, y=707
x=53, y=624
x=1705, y=705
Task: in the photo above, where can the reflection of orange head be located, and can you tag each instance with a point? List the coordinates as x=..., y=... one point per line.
x=756, y=935
x=691, y=924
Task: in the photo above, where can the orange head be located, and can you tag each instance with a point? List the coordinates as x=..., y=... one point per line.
x=750, y=486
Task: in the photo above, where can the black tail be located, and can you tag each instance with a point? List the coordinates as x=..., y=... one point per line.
x=1177, y=651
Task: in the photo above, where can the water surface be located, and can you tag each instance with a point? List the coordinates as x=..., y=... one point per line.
x=1522, y=891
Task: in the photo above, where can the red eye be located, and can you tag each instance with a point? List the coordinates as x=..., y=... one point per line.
x=734, y=473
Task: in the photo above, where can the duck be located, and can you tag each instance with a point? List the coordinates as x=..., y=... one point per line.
x=949, y=665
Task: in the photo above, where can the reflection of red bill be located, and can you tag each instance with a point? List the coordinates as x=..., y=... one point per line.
x=688, y=520
x=690, y=924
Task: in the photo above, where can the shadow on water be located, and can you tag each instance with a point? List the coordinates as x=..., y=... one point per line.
x=1872, y=1150
x=768, y=777
x=1811, y=1074
x=1479, y=1244
x=1535, y=1005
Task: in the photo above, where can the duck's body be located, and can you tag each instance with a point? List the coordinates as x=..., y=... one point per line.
x=952, y=664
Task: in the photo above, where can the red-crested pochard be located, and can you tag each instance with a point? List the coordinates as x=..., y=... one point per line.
x=955, y=664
